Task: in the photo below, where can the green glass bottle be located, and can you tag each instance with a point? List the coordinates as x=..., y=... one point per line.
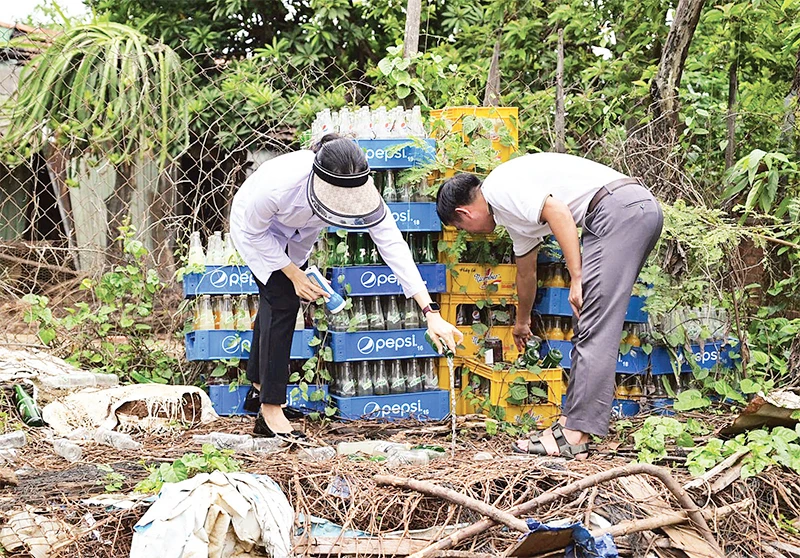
x=360, y=256
x=27, y=407
x=447, y=352
x=428, y=253
x=552, y=359
x=532, y=352
x=412, y=247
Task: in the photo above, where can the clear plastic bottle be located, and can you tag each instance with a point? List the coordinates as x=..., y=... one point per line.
x=114, y=439
x=266, y=445
x=300, y=319
x=223, y=440
x=205, y=314
x=376, y=320
x=430, y=379
x=393, y=318
x=364, y=379
x=13, y=440
x=415, y=458
x=68, y=450
x=411, y=318
x=380, y=379
x=197, y=256
x=413, y=376
x=323, y=453
x=397, y=380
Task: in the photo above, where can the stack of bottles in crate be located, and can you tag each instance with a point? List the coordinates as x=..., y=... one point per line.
x=383, y=367
x=223, y=303
x=705, y=331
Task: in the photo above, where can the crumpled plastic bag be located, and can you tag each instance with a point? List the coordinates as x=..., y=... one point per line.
x=216, y=515
x=584, y=545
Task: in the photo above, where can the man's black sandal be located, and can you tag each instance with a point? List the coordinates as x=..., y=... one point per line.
x=570, y=451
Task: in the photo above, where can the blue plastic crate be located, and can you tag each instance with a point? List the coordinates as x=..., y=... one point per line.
x=662, y=406
x=635, y=312
x=566, y=350
x=397, y=153
x=660, y=361
x=634, y=362
x=412, y=217
x=220, y=279
x=553, y=301
x=424, y=405
x=227, y=402
x=380, y=345
x=709, y=356
x=625, y=408
x=215, y=344
x=369, y=280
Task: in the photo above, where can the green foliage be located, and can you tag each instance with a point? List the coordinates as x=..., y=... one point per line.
x=113, y=334
x=104, y=89
x=112, y=481
x=189, y=465
x=763, y=174
x=764, y=448
x=652, y=438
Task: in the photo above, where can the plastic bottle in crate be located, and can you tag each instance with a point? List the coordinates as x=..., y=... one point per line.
x=216, y=249
x=241, y=314
x=226, y=312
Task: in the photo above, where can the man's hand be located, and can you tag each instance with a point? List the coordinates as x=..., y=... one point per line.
x=439, y=328
x=522, y=332
x=576, y=297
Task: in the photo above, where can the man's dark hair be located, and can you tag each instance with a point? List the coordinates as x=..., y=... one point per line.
x=456, y=192
x=340, y=155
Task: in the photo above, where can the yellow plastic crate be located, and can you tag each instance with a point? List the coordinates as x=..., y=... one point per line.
x=484, y=280
x=453, y=118
x=499, y=382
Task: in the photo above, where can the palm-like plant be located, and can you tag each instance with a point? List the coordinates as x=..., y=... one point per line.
x=101, y=89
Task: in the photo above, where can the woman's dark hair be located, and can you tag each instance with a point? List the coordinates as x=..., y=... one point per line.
x=456, y=192
x=340, y=155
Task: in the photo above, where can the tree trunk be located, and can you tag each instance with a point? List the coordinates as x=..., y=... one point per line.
x=792, y=105
x=411, y=40
x=560, y=112
x=491, y=97
x=56, y=163
x=733, y=86
x=664, y=87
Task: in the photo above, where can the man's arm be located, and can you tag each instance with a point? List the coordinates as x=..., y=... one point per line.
x=526, y=294
x=559, y=218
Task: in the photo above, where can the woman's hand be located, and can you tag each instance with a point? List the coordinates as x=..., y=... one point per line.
x=305, y=288
x=440, y=329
